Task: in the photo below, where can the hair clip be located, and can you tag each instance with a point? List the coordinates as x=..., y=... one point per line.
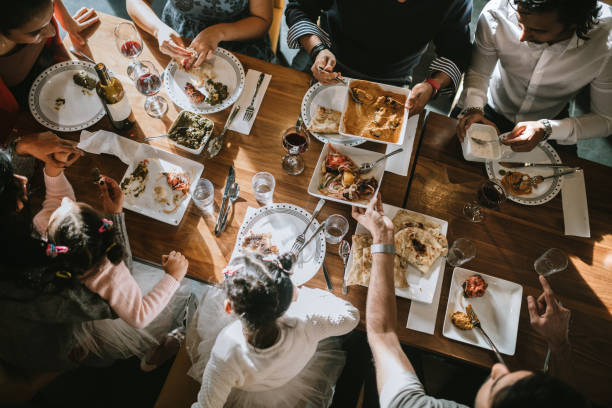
x=52, y=250
x=229, y=271
x=111, y=246
x=106, y=225
x=63, y=275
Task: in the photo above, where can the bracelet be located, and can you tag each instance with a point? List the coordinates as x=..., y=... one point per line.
x=317, y=49
x=547, y=127
x=382, y=249
x=434, y=84
x=470, y=110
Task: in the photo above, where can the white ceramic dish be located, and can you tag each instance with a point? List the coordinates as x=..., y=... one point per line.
x=332, y=97
x=359, y=156
x=498, y=311
x=543, y=192
x=389, y=88
x=285, y=222
x=228, y=71
x=422, y=286
x=82, y=108
x=185, y=148
x=482, y=132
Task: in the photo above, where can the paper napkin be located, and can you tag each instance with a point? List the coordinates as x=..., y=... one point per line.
x=247, y=215
x=103, y=141
x=575, y=209
x=239, y=124
x=400, y=163
x=422, y=316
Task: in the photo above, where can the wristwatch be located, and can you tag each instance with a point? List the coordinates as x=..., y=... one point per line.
x=435, y=85
x=317, y=49
x=382, y=249
x=547, y=127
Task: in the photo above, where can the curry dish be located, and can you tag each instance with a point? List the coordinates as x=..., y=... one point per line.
x=379, y=116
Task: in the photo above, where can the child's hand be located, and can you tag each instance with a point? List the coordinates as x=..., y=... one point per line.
x=175, y=265
x=110, y=195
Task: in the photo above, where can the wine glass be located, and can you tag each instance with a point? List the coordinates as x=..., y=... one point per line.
x=490, y=194
x=149, y=83
x=295, y=142
x=129, y=44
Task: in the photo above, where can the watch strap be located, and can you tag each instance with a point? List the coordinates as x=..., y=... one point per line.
x=434, y=84
x=547, y=126
x=382, y=249
x=317, y=49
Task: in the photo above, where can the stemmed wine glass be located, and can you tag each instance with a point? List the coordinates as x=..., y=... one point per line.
x=149, y=83
x=129, y=44
x=491, y=194
x=295, y=142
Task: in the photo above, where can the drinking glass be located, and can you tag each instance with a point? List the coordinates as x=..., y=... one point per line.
x=129, y=44
x=336, y=227
x=149, y=83
x=463, y=250
x=204, y=196
x=295, y=142
x=490, y=194
x=552, y=261
x=263, y=186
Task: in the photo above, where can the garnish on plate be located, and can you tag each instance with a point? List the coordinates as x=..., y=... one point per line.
x=217, y=92
x=179, y=185
x=474, y=286
x=83, y=80
x=59, y=103
x=136, y=182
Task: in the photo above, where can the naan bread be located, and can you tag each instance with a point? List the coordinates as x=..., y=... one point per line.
x=325, y=121
x=420, y=247
x=362, y=264
x=404, y=219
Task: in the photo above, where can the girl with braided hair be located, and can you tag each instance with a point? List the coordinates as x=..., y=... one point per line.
x=276, y=347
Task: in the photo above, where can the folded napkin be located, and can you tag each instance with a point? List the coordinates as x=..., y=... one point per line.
x=422, y=316
x=247, y=215
x=239, y=124
x=400, y=163
x=111, y=143
x=575, y=209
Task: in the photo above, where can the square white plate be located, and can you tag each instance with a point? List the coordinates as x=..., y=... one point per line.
x=498, y=311
x=359, y=156
x=422, y=286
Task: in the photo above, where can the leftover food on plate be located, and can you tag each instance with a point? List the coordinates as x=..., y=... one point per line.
x=340, y=178
x=191, y=130
x=420, y=247
x=85, y=81
x=517, y=183
x=260, y=243
x=59, y=103
x=359, y=273
x=474, y=286
x=217, y=92
x=201, y=73
x=325, y=120
x=463, y=320
x=196, y=97
x=136, y=182
x=379, y=116
x=179, y=185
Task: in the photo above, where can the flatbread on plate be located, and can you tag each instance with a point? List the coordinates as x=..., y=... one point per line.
x=325, y=120
x=420, y=247
x=404, y=219
x=362, y=264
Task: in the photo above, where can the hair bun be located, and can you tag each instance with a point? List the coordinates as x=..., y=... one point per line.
x=115, y=253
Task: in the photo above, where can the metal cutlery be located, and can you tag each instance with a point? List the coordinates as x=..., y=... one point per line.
x=166, y=135
x=233, y=196
x=344, y=250
x=476, y=323
x=81, y=55
x=483, y=142
x=327, y=280
x=228, y=185
x=352, y=93
x=366, y=167
x=534, y=181
x=215, y=144
x=300, y=239
x=512, y=165
x=248, y=114
x=299, y=251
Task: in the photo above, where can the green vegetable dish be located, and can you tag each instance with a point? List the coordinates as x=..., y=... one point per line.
x=82, y=79
x=217, y=92
x=191, y=130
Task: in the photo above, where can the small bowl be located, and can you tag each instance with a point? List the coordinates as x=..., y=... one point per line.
x=180, y=146
x=474, y=152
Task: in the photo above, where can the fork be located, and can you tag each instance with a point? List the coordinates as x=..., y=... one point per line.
x=366, y=167
x=248, y=114
x=295, y=254
x=476, y=323
x=300, y=239
x=233, y=196
x=535, y=180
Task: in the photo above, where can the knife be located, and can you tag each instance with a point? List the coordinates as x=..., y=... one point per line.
x=512, y=165
x=327, y=280
x=228, y=184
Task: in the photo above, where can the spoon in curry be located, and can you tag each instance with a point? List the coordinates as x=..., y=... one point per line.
x=352, y=92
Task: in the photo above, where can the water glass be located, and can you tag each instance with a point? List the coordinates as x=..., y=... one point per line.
x=263, y=187
x=204, y=196
x=336, y=227
x=552, y=261
x=463, y=250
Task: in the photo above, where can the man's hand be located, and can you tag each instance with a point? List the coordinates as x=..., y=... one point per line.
x=175, y=265
x=375, y=220
x=525, y=136
x=419, y=97
x=323, y=67
x=548, y=318
x=205, y=43
x=473, y=117
x=171, y=44
x=49, y=148
x=110, y=195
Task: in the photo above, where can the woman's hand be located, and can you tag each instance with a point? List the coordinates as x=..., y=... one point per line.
x=175, y=265
x=466, y=121
x=170, y=43
x=375, y=220
x=419, y=97
x=206, y=43
x=49, y=148
x=110, y=195
x=323, y=67
x=83, y=19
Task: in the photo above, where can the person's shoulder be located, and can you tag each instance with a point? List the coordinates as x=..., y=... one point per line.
x=601, y=33
x=230, y=341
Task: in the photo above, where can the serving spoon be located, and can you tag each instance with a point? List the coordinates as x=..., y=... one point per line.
x=352, y=93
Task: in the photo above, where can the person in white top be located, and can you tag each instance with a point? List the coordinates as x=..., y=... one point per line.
x=279, y=351
x=529, y=59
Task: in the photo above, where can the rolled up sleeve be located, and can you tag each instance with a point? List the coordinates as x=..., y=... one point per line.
x=302, y=16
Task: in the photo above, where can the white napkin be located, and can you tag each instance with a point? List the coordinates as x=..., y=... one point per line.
x=422, y=316
x=575, y=209
x=247, y=215
x=400, y=163
x=111, y=143
x=239, y=124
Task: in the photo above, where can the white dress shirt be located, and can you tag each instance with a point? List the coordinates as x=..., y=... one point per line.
x=527, y=81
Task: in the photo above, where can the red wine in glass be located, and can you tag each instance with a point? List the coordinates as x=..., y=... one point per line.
x=148, y=84
x=491, y=194
x=131, y=48
x=295, y=143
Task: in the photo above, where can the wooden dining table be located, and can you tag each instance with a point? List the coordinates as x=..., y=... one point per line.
x=438, y=183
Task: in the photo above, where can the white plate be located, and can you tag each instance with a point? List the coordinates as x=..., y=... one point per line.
x=387, y=88
x=228, y=71
x=81, y=110
x=359, y=156
x=285, y=222
x=543, y=192
x=328, y=96
x=161, y=160
x=498, y=311
x=422, y=286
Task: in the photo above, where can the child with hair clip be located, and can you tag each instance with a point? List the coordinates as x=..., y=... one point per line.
x=278, y=349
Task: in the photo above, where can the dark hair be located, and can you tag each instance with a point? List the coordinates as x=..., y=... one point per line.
x=581, y=13
x=18, y=13
x=260, y=291
x=539, y=391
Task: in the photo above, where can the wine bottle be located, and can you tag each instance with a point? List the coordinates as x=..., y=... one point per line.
x=113, y=98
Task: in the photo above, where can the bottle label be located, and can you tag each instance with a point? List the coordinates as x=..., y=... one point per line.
x=119, y=111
